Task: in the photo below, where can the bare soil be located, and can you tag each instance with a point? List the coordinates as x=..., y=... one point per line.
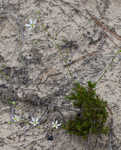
x=36, y=74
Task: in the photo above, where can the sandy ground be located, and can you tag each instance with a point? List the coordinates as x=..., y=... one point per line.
x=34, y=72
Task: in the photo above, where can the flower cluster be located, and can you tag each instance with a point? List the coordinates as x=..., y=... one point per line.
x=35, y=121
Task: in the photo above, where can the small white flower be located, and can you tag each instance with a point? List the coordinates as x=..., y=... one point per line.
x=34, y=121
x=56, y=124
x=31, y=24
x=15, y=118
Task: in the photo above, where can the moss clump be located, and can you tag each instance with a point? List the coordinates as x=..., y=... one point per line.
x=93, y=111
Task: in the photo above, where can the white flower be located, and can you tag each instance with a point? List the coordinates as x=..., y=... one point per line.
x=35, y=121
x=15, y=118
x=56, y=124
x=31, y=24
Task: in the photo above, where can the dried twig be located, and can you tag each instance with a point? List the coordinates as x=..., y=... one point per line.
x=110, y=134
x=80, y=58
x=103, y=26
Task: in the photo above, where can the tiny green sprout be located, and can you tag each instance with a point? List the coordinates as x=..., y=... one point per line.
x=38, y=12
x=9, y=122
x=11, y=102
x=45, y=28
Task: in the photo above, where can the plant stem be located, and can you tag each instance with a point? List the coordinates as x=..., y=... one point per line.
x=109, y=65
x=57, y=46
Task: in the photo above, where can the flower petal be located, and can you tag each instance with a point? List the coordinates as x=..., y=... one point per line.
x=30, y=20
x=34, y=22
x=37, y=119
x=33, y=119
x=27, y=25
x=56, y=121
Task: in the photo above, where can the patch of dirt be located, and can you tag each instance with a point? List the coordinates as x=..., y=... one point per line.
x=35, y=68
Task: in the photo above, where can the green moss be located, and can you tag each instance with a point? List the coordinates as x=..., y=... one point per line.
x=93, y=111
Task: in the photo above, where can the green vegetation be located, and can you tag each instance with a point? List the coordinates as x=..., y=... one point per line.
x=93, y=113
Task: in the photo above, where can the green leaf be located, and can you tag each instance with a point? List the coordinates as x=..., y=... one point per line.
x=93, y=111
